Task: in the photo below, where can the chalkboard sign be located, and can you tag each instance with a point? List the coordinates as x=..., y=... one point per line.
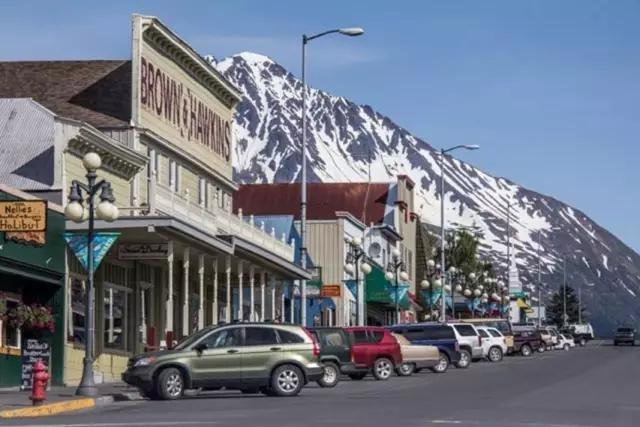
x=32, y=351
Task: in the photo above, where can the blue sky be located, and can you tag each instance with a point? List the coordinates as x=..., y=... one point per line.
x=550, y=89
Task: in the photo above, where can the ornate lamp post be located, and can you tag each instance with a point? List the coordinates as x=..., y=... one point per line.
x=75, y=211
x=353, y=266
x=428, y=283
x=394, y=268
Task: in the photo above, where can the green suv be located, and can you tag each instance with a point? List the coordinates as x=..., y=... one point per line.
x=277, y=360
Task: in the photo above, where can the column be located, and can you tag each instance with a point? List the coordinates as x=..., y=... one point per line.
x=262, y=286
x=292, y=305
x=252, y=302
x=228, y=303
x=240, y=296
x=201, y=291
x=186, y=321
x=169, y=313
x=273, y=298
x=283, y=311
x=214, y=308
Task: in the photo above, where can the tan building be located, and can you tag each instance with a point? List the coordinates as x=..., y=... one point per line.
x=380, y=214
x=162, y=124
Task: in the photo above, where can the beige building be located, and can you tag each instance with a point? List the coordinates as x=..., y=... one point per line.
x=162, y=124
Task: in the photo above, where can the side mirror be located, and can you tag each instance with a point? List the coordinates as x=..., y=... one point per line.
x=200, y=347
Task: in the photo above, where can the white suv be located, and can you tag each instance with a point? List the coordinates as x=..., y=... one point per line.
x=469, y=341
x=494, y=344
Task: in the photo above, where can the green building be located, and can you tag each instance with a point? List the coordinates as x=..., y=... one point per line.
x=32, y=266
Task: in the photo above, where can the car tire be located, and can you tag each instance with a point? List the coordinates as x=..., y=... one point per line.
x=566, y=347
x=170, y=384
x=358, y=376
x=495, y=354
x=406, y=369
x=465, y=359
x=331, y=375
x=442, y=365
x=287, y=381
x=583, y=342
x=382, y=369
x=615, y=343
x=525, y=350
x=541, y=349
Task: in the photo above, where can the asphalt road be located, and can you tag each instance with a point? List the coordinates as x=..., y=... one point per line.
x=594, y=386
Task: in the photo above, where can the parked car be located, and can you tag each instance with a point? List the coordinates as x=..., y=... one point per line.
x=625, y=336
x=494, y=345
x=375, y=351
x=547, y=340
x=582, y=333
x=565, y=342
x=526, y=341
x=415, y=357
x=273, y=359
x=438, y=335
x=470, y=343
x=502, y=325
x=335, y=354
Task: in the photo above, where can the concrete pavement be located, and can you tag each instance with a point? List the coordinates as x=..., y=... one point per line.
x=593, y=386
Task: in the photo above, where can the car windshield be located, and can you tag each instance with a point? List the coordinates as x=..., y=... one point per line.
x=625, y=330
x=191, y=339
x=465, y=330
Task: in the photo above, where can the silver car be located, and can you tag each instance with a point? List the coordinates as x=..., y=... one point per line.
x=470, y=343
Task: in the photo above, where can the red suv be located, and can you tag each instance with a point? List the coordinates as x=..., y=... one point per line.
x=374, y=350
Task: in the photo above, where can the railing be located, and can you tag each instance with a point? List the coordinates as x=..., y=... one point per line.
x=218, y=221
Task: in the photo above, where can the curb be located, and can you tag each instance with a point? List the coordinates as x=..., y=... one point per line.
x=57, y=407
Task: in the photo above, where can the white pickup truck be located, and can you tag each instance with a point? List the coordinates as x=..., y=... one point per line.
x=581, y=333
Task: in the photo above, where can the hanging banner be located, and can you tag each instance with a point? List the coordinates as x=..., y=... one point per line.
x=102, y=242
x=352, y=286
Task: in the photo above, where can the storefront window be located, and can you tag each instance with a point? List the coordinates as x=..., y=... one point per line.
x=115, y=318
x=9, y=335
x=77, y=310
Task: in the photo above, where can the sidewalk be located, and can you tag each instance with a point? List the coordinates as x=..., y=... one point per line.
x=14, y=403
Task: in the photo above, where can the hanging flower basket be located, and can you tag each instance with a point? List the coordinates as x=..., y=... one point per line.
x=34, y=317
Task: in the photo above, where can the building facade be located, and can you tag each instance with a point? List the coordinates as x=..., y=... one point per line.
x=162, y=123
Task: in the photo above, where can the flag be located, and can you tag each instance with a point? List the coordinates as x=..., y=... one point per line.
x=102, y=242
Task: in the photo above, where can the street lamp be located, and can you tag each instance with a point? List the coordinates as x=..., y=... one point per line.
x=303, y=202
x=394, y=268
x=442, y=226
x=352, y=267
x=76, y=212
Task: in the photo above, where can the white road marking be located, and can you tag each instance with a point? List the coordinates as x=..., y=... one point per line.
x=510, y=424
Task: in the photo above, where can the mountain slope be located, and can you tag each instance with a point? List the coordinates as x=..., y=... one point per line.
x=349, y=142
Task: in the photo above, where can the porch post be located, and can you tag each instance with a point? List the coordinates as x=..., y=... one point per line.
x=169, y=309
x=262, y=285
x=228, y=303
x=272, y=281
x=214, y=308
x=252, y=279
x=283, y=311
x=292, y=305
x=240, y=299
x=201, y=291
x=185, y=293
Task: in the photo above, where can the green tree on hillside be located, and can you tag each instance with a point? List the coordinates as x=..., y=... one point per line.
x=555, y=307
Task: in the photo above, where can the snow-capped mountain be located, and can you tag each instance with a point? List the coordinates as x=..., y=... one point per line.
x=349, y=142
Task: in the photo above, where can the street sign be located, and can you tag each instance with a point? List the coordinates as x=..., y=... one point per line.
x=330, y=291
x=23, y=215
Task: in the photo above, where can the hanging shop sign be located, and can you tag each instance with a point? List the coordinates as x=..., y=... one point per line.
x=32, y=351
x=136, y=251
x=23, y=216
x=102, y=242
x=330, y=291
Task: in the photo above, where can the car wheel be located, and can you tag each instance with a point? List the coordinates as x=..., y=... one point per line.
x=495, y=354
x=442, y=366
x=331, y=375
x=583, y=342
x=287, y=380
x=358, y=376
x=525, y=350
x=566, y=347
x=382, y=369
x=465, y=359
x=615, y=343
x=406, y=369
x=170, y=384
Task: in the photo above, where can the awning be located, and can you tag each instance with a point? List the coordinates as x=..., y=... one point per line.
x=30, y=272
x=522, y=304
x=379, y=290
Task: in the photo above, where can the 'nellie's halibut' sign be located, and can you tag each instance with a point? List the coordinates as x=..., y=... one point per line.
x=23, y=215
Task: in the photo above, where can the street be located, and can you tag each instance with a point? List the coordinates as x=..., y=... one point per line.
x=592, y=386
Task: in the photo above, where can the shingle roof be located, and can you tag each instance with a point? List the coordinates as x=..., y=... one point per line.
x=96, y=92
x=365, y=201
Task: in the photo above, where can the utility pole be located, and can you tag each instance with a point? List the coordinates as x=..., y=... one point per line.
x=564, y=291
x=580, y=305
x=508, y=250
x=539, y=284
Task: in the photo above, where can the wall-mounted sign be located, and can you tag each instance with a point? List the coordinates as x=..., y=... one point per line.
x=23, y=215
x=34, y=238
x=132, y=251
x=330, y=291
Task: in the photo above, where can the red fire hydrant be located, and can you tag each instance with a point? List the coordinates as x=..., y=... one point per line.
x=39, y=381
